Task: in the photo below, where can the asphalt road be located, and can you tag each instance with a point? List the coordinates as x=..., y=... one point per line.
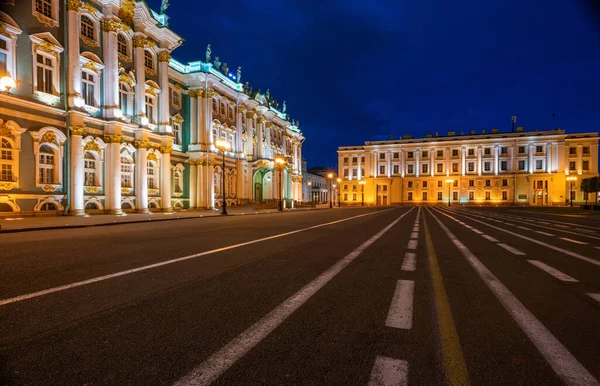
x=351, y=296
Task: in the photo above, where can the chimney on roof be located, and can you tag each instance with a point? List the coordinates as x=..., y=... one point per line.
x=428, y=135
x=495, y=130
x=482, y=131
x=520, y=128
x=451, y=133
x=407, y=136
x=436, y=133
x=472, y=132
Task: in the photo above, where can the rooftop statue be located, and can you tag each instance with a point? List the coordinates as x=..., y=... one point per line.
x=239, y=74
x=217, y=63
x=164, y=6
x=225, y=69
x=284, y=107
x=208, y=53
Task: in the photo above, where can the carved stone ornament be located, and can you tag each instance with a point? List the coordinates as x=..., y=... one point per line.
x=166, y=149
x=93, y=146
x=45, y=46
x=113, y=138
x=141, y=144
x=151, y=91
x=90, y=42
x=111, y=26
x=250, y=114
x=139, y=41
x=47, y=21
x=125, y=78
x=126, y=190
x=127, y=11
x=149, y=71
x=7, y=185
x=92, y=189
x=124, y=58
x=78, y=130
x=261, y=119
x=196, y=93
x=3, y=30
x=49, y=188
x=153, y=192
x=90, y=8
x=92, y=67
x=74, y=5
x=164, y=56
x=49, y=137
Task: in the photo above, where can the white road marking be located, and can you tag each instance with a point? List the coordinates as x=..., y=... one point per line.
x=553, y=271
x=565, y=251
x=412, y=244
x=509, y=224
x=400, y=314
x=573, y=241
x=527, y=229
x=172, y=261
x=511, y=249
x=415, y=229
x=414, y=235
x=389, y=372
x=595, y=296
x=410, y=261
x=209, y=370
x=477, y=231
x=544, y=233
x=490, y=238
x=559, y=358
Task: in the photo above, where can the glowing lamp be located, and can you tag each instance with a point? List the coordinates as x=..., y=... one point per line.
x=330, y=176
x=362, y=182
x=7, y=83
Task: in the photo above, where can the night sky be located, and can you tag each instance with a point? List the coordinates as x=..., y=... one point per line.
x=355, y=70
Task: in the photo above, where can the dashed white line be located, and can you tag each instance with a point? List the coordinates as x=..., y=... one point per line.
x=412, y=244
x=595, y=296
x=209, y=370
x=544, y=233
x=511, y=249
x=509, y=224
x=414, y=235
x=410, y=261
x=400, y=314
x=553, y=271
x=527, y=229
x=490, y=238
x=560, y=359
x=389, y=372
x=415, y=229
x=477, y=231
x=573, y=241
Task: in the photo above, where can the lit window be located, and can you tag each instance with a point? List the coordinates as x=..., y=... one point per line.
x=122, y=44
x=6, y=161
x=148, y=60
x=150, y=108
x=126, y=171
x=88, y=84
x=87, y=27
x=178, y=180
x=153, y=175
x=89, y=167
x=46, y=165
x=44, y=7
x=177, y=133
x=3, y=57
x=45, y=74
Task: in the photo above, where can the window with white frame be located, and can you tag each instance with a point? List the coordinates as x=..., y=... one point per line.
x=223, y=111
x=88, y=28
x=88, y=87
x=4, y=44
x=7, y=161
x=487, y=166
x=382, y=169
x=521, y=165
x=89, y=167
x=45, y=8
x=503, y=166
x=440, y=168
x=177, y=133
x=124, y=98
x=45, y=67
x=215, y=107
x=178, y=182
x=471, y=166
x=539, y=164
x=47, y=167
x=150, y=108
x=410, y=169
x=122, y=45
x=148, y=60
x=126, y=171
x=425, y=168
x=152, y=175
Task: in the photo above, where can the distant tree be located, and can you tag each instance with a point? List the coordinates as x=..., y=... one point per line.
x=590, y=185
x=584, y=186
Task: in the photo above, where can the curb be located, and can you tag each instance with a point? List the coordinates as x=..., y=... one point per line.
x=58, y=227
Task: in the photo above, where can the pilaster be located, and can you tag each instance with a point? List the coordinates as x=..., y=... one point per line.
x=141, y=176
x=111, y=69
x=164, y=126
x=165, y=178
x=74, y=80
x=77, y=171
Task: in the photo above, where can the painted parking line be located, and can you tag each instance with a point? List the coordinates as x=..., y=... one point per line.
x=413, y=244
x=511, y=249
x=595, y=296
x=573, y=241
x=400, y=314
x=553, y=271
x=414, y=235
x=410, y=261
x=525, y=228
x=544, y=233
x=389, y=372
x=209, y=370
x=490, y=238
x=560, y=359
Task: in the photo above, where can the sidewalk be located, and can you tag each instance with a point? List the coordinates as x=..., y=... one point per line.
x=24, y=224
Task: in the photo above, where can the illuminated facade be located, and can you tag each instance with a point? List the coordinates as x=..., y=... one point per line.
x=524, y=168
x=103, y=119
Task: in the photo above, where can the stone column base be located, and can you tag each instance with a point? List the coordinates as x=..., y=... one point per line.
x=76, y=212
x=144, y=211
x=117, y=212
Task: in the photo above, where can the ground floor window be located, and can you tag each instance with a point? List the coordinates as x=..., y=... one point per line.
x=504, y=195
x=471, y=195
x=488, y=195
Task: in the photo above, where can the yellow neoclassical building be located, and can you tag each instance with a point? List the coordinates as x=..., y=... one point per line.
x=521, y=167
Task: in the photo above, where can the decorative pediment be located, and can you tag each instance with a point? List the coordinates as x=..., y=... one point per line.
x=8, y=26
x=46, y=42
x=177, y=118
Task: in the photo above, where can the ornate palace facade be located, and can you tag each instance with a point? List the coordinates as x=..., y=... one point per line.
x=97, y=116
x=525, y=168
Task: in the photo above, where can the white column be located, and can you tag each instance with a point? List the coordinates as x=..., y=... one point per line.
x=163, y=98
x=579, y=163
x=201, y=187
x=77, y=169
x=389, y=163
x=555, y=153
x=463, y=160
x=530, y=153
x=447, y=163
x=204, y=125
x=165, y=178
x=111, y=69
x=417, y=157
x=432, y=162
x=496, y=155
x=479, y=150
x=402, y=163
x=359, y=167
x=295, y=156
x=211, y=188
x=140, y=76
x=113, y=174
x=513, y=159
x=141, y=178
x=259, y=135
x=249, y=133
x=193, y=115
x=548, y=158
x=74, y=80
x=193, y=182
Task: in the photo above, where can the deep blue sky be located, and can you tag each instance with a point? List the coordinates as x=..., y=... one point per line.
x=355, y=70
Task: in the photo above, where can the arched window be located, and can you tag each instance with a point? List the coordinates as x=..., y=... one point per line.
x=6, y=161
x=126, y=171
x=148, y=60
x=122, y=44
x=91, y=206
x=152, y=175
x=49, y=206
x=214, y=106
x=124, y=98
x=89, y=169
x=217, y=182
x=223, y=111
x=87, y=27
x=88, y=85
x=231, y=184
x=178, y=179
x=47, y=166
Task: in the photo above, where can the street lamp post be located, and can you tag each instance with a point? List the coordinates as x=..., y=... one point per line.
x=309, y=184
x=223, y=146
x=280, y=161
x=449, y=181
x=362, y=192
x=339, y=180
x=571, y=179
x=330, y=178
